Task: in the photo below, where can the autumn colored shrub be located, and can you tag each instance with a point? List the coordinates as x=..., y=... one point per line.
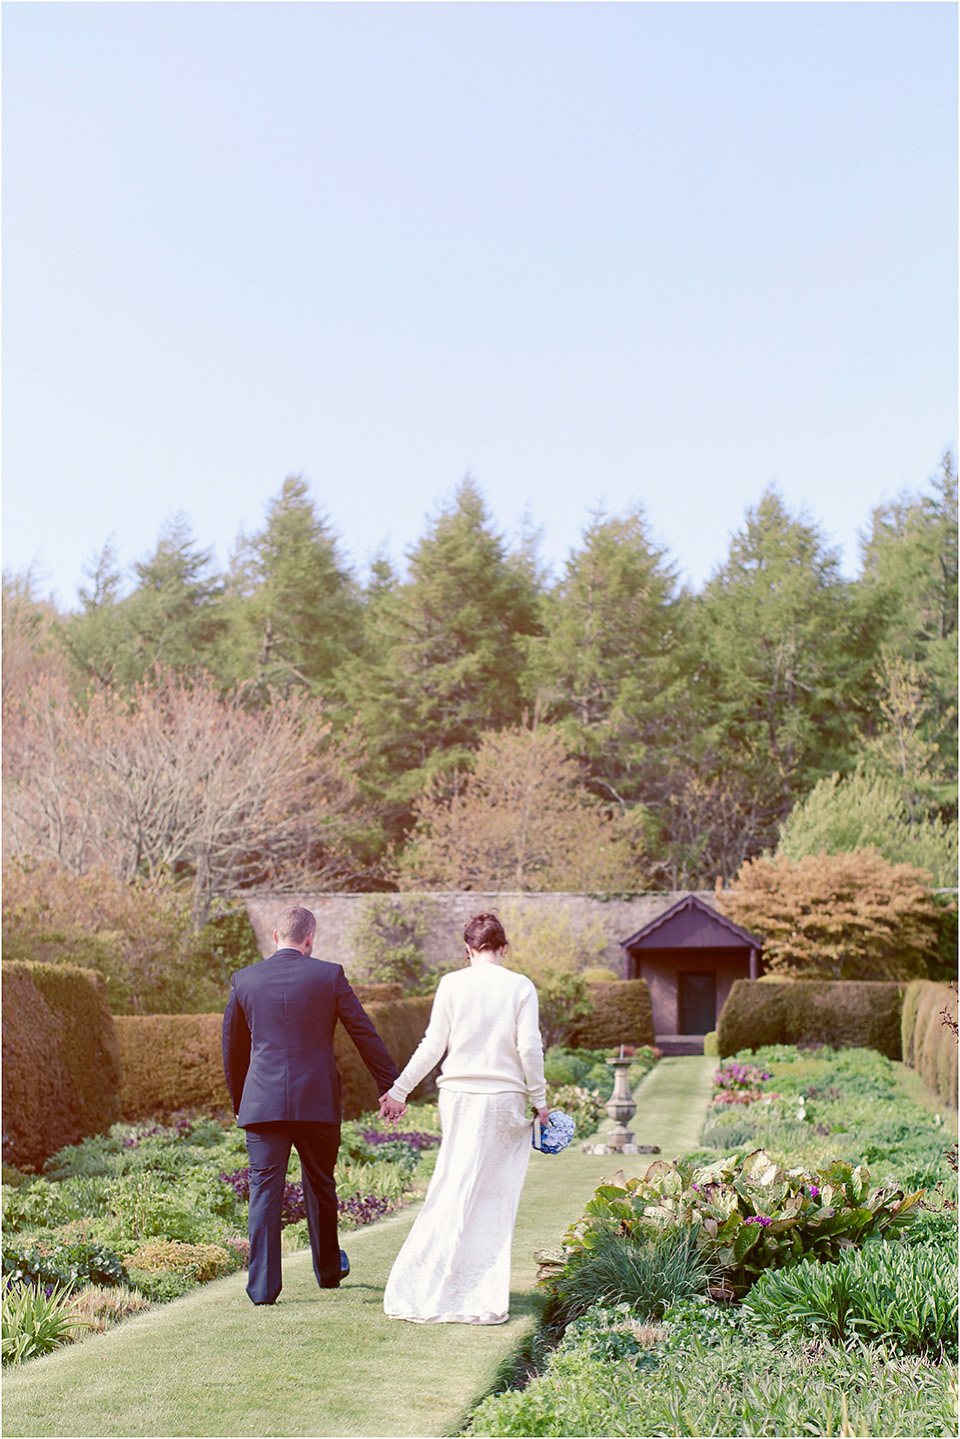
x=61, y=1061
x=843, y=1013
x=165, y=1267
x=140, y=940
x=837, y=916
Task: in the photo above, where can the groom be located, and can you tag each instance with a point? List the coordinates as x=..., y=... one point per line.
x=283, y=1080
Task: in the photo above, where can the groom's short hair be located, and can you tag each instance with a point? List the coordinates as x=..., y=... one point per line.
x=295, y=925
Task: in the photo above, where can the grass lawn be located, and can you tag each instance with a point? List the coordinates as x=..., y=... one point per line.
x=330, y=1363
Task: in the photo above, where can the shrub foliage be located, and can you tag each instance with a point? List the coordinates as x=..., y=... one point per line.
x=622, y=1014
x=174, y=1061
x=837, y=916
x=170, y=1062
x=61, y=1060
x=388, y=942
x=749, y=1215
x=842, y=1013
x=905, y=1296
x=139, y=939
x=35, y=1322
x=930, y=1044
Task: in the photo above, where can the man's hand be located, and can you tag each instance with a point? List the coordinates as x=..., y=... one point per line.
x=391, y=1109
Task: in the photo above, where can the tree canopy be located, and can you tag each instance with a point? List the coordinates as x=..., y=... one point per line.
x=375, y=731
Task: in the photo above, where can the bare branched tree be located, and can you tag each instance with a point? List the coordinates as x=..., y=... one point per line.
x=177, y=781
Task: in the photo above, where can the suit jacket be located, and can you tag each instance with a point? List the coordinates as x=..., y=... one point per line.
x=278, y=1039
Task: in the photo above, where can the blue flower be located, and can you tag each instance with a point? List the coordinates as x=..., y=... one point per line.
x=557, y=1133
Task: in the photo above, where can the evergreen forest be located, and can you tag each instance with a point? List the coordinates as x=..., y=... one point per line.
x=477, y=722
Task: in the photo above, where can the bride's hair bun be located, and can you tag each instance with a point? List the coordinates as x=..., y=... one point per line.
x=484, y=931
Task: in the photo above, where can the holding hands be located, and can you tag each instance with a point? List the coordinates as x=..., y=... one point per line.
x=391, y=1109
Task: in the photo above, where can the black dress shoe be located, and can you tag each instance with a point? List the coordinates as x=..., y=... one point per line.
x=344, y=1271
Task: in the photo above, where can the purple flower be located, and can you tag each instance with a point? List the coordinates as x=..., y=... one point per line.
x=364, y=1208
x=758, y=1219
x=814, y=1191
x=294, y=1204
x=413, y=1137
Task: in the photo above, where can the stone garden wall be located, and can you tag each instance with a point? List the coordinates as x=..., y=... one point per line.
x=619, y=918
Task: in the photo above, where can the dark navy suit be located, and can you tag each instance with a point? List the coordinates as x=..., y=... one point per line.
x=282, y=1076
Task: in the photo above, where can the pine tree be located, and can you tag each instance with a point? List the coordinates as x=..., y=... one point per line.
x=780, y=685
x=866, y=810
x=605, y=669
x=97, y=635
x=443, y=655
x=908, y=594
x=294, y=606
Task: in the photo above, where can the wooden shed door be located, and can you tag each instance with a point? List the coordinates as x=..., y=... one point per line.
x=696, y=1003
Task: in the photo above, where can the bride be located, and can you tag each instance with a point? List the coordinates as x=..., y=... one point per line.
x=454, y=1267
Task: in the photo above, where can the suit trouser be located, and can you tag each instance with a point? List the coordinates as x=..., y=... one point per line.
x=268, y=1149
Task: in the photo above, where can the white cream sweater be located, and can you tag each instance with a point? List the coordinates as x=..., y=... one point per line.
x=486, y=1020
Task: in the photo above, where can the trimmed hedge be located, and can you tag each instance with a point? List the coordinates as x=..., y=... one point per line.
x=61, y=1059
x=170, y=1062
x=367, y=993
x=174, y=1061
x=401, y=1024
x=845, y=1013
x=622, y=1014
x=929, y=1045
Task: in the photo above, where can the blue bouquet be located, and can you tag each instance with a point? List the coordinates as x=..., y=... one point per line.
x=556, y=1134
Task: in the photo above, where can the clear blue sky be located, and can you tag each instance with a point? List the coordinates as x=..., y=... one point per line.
x=587, y=252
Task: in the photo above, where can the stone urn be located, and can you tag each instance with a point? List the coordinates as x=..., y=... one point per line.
x=620, y=1105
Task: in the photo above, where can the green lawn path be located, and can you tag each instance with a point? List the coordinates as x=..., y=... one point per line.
x=330, y=1363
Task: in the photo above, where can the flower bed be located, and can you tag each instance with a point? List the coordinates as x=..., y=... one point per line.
x=831, y=1216
x=748, y=1215
x=151, y=1210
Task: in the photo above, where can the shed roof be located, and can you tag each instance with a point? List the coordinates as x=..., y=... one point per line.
x=674, y=927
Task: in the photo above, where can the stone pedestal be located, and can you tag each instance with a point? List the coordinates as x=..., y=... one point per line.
x=620, y=1107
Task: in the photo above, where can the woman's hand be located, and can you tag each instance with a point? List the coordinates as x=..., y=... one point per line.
x=391, y=1109
x=544, y=1116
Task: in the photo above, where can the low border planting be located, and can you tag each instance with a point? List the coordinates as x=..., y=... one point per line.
x=146, y=1212
x=823, y=1207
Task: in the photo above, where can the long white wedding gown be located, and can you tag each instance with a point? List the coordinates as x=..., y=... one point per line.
x=454, y=1266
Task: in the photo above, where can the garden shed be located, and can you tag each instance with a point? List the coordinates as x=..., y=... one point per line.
x=689, y=955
